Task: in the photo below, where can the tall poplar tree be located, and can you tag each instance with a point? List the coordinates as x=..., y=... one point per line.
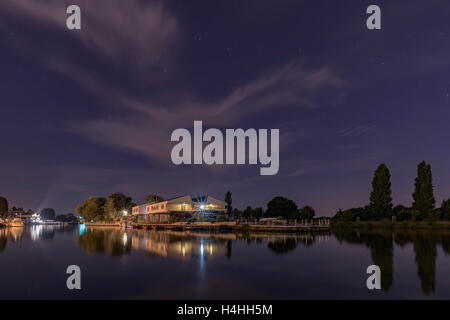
x=423, y=196
x=380, y=197
x=228, y=201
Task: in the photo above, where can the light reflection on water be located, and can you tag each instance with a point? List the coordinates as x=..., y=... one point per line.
x=151, y=264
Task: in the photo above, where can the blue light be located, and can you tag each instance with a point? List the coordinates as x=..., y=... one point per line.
x=82, y=228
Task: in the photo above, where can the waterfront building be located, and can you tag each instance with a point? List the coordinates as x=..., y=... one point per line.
x=184, y=206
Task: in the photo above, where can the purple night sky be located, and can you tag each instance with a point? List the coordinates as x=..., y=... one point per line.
x=90, y=112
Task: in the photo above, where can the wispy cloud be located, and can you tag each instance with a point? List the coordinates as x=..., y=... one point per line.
x=139, y=34
x=147, y=128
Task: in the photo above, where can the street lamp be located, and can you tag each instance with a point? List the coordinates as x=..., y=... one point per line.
x=125, y=212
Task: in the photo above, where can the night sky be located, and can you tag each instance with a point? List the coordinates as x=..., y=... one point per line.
x=90, y=111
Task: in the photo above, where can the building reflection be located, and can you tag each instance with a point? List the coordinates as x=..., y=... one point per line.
x=184, y=245
x=202, y=247
x=168, y=244
x=33, y=233
x=10, y=235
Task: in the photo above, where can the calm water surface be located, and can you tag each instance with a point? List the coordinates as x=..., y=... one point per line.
x=138, y=264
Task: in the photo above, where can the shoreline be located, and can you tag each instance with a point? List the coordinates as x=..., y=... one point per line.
x=402, y=225
x=233, y=227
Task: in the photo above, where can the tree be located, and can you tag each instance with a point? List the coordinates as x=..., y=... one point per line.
x=307, y=212
x=93, y=208
x=258, y=213
x=423, y=196
x=228, y=201
x=445, y=210
x=48, y=214
x=349, y=214
x=247, y=212
x=380, y=197
x=116, y=204
x=236, y=213
x=153, y=198
x=3, y=207
x=281, y=207
x=69, y=217
x=402, y=213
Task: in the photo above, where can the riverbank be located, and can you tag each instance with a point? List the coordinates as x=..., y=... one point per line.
x=102, y=224
x=387, y=224
x=233, y=227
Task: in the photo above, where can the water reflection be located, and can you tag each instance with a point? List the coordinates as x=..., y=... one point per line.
x=183, y=245
x=424, y=243
x=425, y=248
x=177, y=245
x=381, y=250
x=33, y=233
x=110, y=241
x=201, y=247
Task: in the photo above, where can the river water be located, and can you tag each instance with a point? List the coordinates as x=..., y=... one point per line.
x=140, y=264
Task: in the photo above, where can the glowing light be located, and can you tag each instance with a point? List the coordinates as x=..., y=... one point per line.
x=82, y=228
x=202, y=207
x=125, y=212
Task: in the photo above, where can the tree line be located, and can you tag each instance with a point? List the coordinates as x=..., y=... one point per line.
x=111, y=208
x=45, y=214
x=278, y=207
x=380, y=201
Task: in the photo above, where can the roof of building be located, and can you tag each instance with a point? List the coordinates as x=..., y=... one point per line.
x=200, y=199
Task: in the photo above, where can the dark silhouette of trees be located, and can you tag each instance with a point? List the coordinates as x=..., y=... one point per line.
x=402, y=213
x=349, y=214
x=445, y=210
x=280, y=207
x=153, y=198
x=258, y=213
x=380, y=197
x=69, y=217
x=228, y=201
x=423, y=196
x=93, y=208
x=116, y=204
x=380, y=206
x=3, y=207
x=247, y=212
x=307, y=212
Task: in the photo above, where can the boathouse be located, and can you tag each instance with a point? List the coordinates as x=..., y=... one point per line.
x=184, y=206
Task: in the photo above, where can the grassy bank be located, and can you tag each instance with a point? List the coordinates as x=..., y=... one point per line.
x=387, y=224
